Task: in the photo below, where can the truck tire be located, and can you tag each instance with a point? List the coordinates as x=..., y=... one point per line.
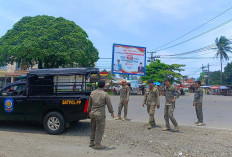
x=54, y=123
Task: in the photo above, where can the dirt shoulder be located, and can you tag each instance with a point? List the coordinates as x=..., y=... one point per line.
x=121, y=138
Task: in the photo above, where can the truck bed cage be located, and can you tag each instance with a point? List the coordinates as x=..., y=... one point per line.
x=64, y=71
x=45, y=81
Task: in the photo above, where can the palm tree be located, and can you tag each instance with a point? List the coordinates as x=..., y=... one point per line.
x=223, y=47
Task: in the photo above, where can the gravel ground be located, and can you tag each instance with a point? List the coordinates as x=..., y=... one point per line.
x=122, y=138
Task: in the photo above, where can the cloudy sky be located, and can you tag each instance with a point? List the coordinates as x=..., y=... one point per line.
x=147, y=23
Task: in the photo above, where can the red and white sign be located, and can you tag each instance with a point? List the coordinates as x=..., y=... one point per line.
x=129, y=59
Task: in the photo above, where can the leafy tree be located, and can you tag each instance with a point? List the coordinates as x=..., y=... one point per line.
x=49, y=42
x=223, y=47
x=185, y=78
x=215, y=78
x=158, y=71
x=228, y=74
x=110, y=76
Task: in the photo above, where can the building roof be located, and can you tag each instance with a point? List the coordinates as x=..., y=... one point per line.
x=189, y=81
x=64, y=71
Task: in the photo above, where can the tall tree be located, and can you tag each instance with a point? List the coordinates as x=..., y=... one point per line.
x=215, y=77
x=223, y=47
x=228, y=74
x=158, y=71
x=49, y=42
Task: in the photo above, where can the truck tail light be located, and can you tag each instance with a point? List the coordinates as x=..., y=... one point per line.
x=86, y=106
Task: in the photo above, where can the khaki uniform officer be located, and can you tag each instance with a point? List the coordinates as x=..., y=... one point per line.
x=151, y=99
x=197, y=102
x=171, y=94
x=96, y=109
x=124, y=99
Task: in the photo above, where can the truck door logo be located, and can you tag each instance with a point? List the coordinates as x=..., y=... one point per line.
x=71, y=102
x=8, y=105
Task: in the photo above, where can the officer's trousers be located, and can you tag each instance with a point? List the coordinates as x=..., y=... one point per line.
x=168, y=114
x=199, y=113
x=122, y=104
x=97, y=127
x=151, y=112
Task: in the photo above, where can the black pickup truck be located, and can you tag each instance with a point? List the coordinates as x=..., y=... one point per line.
x=53, y=97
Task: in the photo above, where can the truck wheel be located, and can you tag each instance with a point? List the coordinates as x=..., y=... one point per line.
x=54, y=123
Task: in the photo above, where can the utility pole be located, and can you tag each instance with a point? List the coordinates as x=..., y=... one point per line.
x=152, y=58
x=205, y=69
x=208, y=75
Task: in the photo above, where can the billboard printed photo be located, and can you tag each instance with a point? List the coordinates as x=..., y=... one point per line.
x=129, y=60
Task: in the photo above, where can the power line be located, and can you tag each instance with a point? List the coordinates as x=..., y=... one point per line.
x=209, y=47
x=105, y=58
x=190, y=57
x=194, y=28
x=193, y=51
x=105, y=61
x=210, y=30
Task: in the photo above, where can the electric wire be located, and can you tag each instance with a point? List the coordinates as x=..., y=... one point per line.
x=195, y=28
x=197, y=36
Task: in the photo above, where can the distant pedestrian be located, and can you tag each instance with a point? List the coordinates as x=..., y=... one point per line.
x=152, y=100
x=197, y=102
x=171, y=94
x=114, y=91
x=96, y=109
x=124, y=100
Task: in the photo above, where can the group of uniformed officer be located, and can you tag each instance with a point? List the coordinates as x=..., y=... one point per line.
x=99, y=99
x=152, y=100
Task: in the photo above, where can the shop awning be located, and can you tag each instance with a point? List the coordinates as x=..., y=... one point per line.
x=223, y=87
x=214, y=87
x=156, y=83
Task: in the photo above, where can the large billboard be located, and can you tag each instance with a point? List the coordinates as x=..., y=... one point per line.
x=129, y=60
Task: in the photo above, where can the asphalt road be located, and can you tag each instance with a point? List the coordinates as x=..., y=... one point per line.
x=217, y=110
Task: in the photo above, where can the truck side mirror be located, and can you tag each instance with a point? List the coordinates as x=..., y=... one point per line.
x=4, y=94
x=8, y=93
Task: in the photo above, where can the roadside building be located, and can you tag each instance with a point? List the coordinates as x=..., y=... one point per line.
x=10, y=73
